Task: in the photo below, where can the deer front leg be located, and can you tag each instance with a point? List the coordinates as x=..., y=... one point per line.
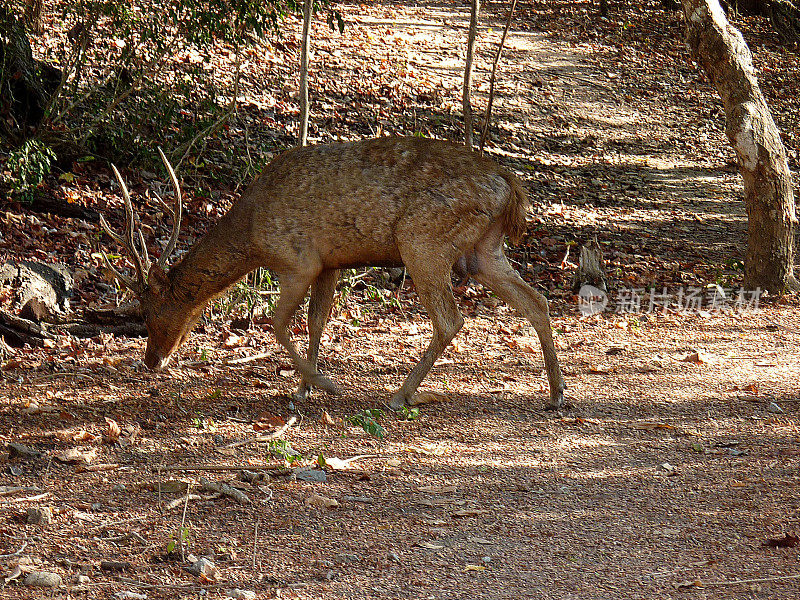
x=293, y=290
x=319, y=309
x=436, y=294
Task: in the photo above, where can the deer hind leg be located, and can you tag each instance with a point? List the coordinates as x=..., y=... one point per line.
x=293, y=289
x=434, y=288
x=492, y=270
x=319, y=309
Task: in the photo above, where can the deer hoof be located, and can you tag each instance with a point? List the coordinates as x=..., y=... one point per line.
x=303, y=393
x=397, y=402
x=323, y=383
x=556, y=400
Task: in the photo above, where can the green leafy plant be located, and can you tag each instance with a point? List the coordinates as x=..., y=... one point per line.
x=180, y=537
x=408, y=414
x=257, y=291
x=368, y=421
x=29, y=165
x=283, y=450
x=202, y=422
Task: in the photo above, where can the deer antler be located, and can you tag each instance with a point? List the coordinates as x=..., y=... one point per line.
x=142, y=264
x=127, y=241
x=176, y=214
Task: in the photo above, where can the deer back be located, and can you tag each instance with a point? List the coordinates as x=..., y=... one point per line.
x=355, y=204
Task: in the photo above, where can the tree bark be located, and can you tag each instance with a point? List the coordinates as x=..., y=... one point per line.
x=473, y=33
x=26, y=84
x=304, y=51
x=33, y=15
x=721, y=51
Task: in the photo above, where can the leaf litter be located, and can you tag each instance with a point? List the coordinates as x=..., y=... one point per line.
x=626, y=494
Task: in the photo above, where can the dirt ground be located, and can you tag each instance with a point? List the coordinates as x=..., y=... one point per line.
x=671, y=473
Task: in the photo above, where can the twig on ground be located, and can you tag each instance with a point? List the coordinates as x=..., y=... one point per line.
x=247, y=359
x=199, y=467
x=756, y=580
x=261, y=438
x=17, y=553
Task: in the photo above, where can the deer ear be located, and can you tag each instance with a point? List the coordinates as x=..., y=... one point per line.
x=157, y=279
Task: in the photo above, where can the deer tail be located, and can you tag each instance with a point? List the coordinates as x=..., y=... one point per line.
x=514, y=215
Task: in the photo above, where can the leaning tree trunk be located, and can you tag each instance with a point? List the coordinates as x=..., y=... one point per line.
x=467, y=104
x=305, y=49
x=722, y=52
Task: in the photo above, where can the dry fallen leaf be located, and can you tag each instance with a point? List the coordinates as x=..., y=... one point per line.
x=326, y=418
x=698, y=357
x=267, y=421
x=689, y=584
x=339, y=464
x=322, y=501
x=233, y=341
x=83, y=436
x=427, y=397
x=430, y=545
x=76, y=455
x=112, y=431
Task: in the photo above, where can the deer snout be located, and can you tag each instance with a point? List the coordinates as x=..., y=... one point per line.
x=154, y=361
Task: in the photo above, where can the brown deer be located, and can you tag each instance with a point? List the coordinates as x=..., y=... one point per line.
x=391, y=201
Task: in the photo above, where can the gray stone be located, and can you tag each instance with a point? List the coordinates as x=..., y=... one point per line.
x=39, y=516
x=43, y=579
x=314, y=475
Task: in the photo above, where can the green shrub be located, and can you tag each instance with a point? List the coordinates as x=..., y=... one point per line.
x=29, y=165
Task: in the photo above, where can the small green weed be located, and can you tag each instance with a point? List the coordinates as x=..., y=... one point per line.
x=368, y=421
x=283, y=450
x=180, y=537
x=408, y=414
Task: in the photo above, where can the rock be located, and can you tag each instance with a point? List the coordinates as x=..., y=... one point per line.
x=21, y=450
x=82, y=579
x=43, y=579
x=311, y=475
x=323, y=501
x=50, y=285
x=128, y=595
x=39, y=516
x=347, y=557
x=237, y=593
x=774, y=408
x=204, y=567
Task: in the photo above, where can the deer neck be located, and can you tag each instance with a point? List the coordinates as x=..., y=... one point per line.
x=212, y=265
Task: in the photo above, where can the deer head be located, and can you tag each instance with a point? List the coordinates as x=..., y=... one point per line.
x=163, y=315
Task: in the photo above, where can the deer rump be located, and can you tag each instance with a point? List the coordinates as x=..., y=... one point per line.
x=425, y=204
